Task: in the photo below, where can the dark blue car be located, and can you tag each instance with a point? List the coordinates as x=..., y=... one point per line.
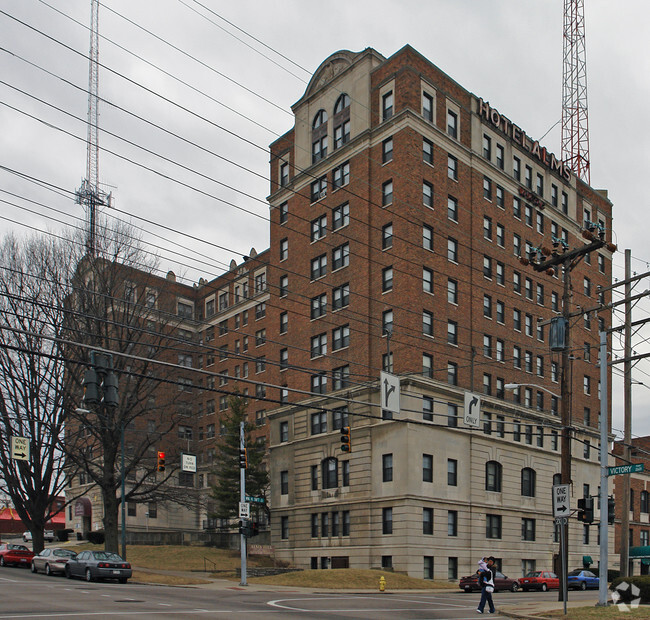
x=582, y=579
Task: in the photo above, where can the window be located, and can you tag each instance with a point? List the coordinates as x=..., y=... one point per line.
x=452, y=167
x=314, y=525
x=260, y=337
x=452, y=124
x=540, y=185
x=601, y=263
x=452, y=208
x=540, y=366
x=516, y=319
x=427, y=366
x=487, y=267
x=318, y=266
x=516, y=168
x=340, y=216
x=427, y=521
x=427, y=151
x=452, y=373
x=387, y=193
x=284, y=360
x=501, y=235
x=341, y=377
x=500, y=312
x=587, y=287
x=427, y=468
x=427, y=194
x=516, y=356
x=586, y=451
x=554, y=440
x=387, y=236
x=528, y=179
x=341, y=175
x=528, y=215
x=387, y=150
x=492, y=526
x=452, y=472
x=493, y=476
x=318, y=306
x=487, y=384
x=387, y=105
x=452, y=291
x=340, y=337
x=340, y=418
x=452, y=415
x=319, y=136
x=340, y=296
x=487, y=228
x=528, y=480
x=516, y=244
x=329, y=473
x=319, y=345
x=452, y=332
x=427, y=323
x=427, y=237
x=319, y=189
x=539, y=222
x=500, y=273
x=345, y=526
x=319, y=383
x=318, y=228
x=587, y=385
x=260, y=364
x=341, y=256
x=487, y=147
x=487, y=306
x=565, y=203
x=284, y=482
x=284, y=212
x=500, y=350
x=342, y=134
x=528, y=529
x=427, y=571
x=387, y=468
x=427, y=280
x=387, y=521
x=487, y=189
x=644, y=500
x=387, y=279
x=452, y=249
x=427, y=405
x=284, y=432
x=427, y=107
x=500, y=156
x=284, y=528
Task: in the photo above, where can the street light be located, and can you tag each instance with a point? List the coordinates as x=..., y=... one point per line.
x=514, y=386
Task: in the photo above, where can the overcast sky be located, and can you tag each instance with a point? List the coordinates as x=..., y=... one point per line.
x=228, y=102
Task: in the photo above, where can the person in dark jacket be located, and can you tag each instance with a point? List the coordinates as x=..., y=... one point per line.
x=486, y=581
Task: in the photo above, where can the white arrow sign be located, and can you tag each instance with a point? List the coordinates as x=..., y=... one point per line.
x=244, y=510
x=472, y=410
x=561, y=507
x=20, y=448
x=389, y=392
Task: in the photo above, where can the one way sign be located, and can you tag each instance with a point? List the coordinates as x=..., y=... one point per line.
x=561, y=507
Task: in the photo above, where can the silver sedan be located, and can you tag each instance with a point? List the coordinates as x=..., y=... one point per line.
x=51, y=561
x=96, y=565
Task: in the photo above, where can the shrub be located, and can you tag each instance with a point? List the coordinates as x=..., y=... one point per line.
x=96, y=538
x=640, y=581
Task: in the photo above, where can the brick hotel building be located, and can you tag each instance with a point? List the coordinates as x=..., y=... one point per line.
x=400, y=203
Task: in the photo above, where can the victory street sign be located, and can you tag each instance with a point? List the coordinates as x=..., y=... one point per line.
x=20, y=448
x=389, y=385
x=625, y=469
x=561, y=507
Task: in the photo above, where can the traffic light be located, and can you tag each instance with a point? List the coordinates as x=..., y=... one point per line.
x=345, y=439
x=161, y=461
x=243, y=459
x=586, y=509
x=611, y=510
x=110, y=390
x=254, y=528
x=91, y=387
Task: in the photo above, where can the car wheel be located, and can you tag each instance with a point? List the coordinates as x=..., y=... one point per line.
x=514, y=587
x=123, y=579
x=583, y=585
x=89, y=575
x=33, y=567
x=48, y=570
x=68, y=574
x=544, y=587
x=2, y=561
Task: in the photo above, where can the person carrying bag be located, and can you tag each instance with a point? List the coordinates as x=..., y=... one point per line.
x=486, y=581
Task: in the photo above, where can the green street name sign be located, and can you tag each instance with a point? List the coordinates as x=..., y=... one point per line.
x=255, y=500
x=625, y=469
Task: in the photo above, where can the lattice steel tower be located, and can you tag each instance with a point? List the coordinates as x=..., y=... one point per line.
x=89, y=194
x=575, y=122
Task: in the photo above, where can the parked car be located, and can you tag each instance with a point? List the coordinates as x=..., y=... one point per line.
x=15, y=555
x=501, y=582
x=51, y=561
x=48, y=535
x=539, y=580
x=582, y=579
x=93, y=565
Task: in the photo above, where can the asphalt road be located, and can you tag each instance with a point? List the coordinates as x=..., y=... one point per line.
x=24, y=595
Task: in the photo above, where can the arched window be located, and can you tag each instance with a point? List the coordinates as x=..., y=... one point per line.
x=493, y=476
x=645, y=501
x=528, y=481
x=330, y=473
x=341, y=121
x=319, y=137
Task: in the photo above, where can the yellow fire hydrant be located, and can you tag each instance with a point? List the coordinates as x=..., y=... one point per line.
x=382, y=584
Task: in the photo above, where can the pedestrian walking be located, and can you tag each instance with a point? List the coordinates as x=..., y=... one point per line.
x=486, y=581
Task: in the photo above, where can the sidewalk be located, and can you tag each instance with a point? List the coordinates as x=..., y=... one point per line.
x=536, y=610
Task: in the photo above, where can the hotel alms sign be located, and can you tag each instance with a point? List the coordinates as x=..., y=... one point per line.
x=519, y=136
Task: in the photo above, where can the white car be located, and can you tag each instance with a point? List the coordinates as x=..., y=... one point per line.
x=48, y=535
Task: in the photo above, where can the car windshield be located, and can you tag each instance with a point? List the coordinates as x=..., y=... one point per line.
x=64, y=553
x=107, y=555
x=534, y=574
x=575, y=573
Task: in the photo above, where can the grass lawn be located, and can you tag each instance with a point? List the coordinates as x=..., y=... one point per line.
x=596, y=613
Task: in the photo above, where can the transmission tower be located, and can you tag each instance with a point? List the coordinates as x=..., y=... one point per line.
x=575, y=123
x=89, y=194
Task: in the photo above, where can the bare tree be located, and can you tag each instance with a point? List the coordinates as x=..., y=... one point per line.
x=120, y=307
x=34, y=273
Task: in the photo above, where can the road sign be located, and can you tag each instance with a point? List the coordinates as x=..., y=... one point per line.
x=188, y=462
x=255, y=500
x=472, y=410
x=625, y=469
x=20, y=448
x=389, y=392
x=244, y=510
x=561, y=507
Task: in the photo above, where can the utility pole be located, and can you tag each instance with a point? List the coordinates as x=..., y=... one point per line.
x=546, y=260
x=242, y=499
x=604, y=494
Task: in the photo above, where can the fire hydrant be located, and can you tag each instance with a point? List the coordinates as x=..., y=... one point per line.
x=382, y=584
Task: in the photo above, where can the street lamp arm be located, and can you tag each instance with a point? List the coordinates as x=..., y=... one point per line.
x=514, y=386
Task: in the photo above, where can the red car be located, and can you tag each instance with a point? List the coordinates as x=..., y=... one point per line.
x=539, y=580
x=501, y=582
x=16, y=555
